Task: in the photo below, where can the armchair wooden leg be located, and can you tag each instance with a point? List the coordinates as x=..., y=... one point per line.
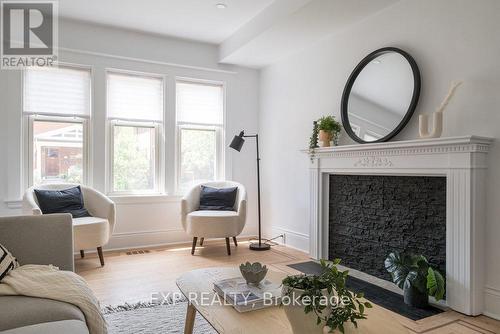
x=82, y=253
x=201, y=241
x=228, y=246
x=235, y=241
x=195, y=239
x=101, y=257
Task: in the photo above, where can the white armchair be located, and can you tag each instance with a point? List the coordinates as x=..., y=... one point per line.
x=213, y=224
x=88, y=232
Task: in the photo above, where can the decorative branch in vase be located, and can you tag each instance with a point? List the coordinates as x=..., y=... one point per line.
x=437, y=116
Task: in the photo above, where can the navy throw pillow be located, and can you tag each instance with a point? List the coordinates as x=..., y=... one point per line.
x=221, y=199
x=62, y=201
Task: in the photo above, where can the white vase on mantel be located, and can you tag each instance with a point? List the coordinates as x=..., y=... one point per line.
x=437, y=125
x=437, y=117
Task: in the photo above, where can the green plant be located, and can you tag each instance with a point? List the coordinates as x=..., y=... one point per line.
x=329, y=124
x=313, y=140
x=325, y=123
x=350, y=307
x=409, y=270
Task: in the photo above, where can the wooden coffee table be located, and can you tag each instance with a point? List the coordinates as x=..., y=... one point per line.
x=225, y=319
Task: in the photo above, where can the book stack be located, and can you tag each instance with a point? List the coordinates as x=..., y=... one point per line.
x=245, y=297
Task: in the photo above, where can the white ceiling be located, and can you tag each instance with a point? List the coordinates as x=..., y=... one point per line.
x=252, y=33
x=191, y=19
x=310, y=23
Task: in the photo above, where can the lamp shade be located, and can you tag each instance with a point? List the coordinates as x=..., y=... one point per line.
x=237, y=142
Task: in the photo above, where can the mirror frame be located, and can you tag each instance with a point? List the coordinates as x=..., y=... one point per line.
x=352, y=78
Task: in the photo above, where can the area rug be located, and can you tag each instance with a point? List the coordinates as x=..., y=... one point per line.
x=147, y=318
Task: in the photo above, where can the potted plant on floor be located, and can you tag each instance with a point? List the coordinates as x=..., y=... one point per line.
x=329, y=130
x=416, y=277
x=322, y=303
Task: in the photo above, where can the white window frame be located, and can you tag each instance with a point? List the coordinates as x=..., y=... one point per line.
x=31, y=119
x=159, y=178
x=28, y=120
x=220, y=130
x=219, y=161
x=157, y=189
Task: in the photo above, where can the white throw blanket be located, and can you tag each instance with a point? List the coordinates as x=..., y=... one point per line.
x=51, y=283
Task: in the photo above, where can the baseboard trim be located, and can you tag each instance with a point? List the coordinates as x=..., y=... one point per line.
x=148, y=239
x=293, y=247
x=492, y=302
x=292, y=239
x=492, y=291
x=127, y=248
x=491, y=315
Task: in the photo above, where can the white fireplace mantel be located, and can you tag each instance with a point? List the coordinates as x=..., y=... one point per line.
x=462, y=160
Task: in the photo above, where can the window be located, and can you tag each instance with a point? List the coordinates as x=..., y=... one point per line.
x=134, y=158
x=200, y=114
x=135, y=111
x=56, y=104
x=57, y=151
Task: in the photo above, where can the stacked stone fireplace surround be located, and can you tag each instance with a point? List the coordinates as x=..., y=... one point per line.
x=371, y=216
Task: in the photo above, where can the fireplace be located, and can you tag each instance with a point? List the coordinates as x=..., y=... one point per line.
x=460, y=161
x=372, y=215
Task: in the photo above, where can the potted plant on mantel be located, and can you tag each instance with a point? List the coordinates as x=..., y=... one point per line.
x=329, y=130
x=322, y=303
x=416, y=277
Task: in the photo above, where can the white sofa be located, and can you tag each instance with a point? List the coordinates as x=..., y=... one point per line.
x=213, y=224
x=46, y=239
x=88, y=232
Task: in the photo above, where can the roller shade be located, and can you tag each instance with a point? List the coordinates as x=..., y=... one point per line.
x=134, y=97
x=61, y=91
x=199, y=103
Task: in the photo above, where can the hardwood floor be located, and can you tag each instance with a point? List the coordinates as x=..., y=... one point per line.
x=135, y=277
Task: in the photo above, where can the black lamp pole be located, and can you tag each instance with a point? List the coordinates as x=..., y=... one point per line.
x=237, y=144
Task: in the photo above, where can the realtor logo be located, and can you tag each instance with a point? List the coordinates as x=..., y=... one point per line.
x=28, y=34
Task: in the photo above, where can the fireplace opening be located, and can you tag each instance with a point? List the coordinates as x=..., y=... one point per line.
x=372, y=215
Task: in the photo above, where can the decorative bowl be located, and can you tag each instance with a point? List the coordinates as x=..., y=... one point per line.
x=253, y=273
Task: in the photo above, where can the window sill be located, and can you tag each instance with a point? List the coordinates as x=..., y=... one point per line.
x=144, y=199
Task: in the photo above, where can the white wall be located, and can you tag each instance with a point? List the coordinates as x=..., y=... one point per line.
x=450, y=39
x=140, y=220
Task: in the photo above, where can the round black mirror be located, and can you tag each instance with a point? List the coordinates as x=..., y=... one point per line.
x=380, y=96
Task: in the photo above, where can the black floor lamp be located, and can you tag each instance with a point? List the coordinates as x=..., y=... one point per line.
x=237, y=144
